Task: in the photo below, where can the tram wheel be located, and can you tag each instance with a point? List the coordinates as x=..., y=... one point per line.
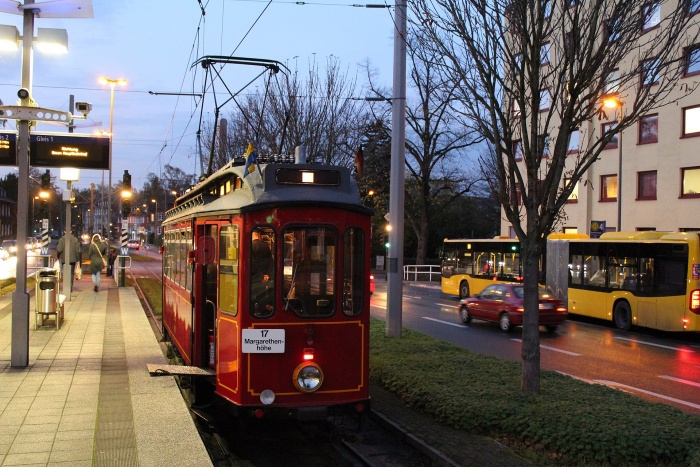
x=622, y=315
x=464, y=290
x=464, y=314
x=504, y=322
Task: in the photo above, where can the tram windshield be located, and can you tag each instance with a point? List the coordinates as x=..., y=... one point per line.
x=308, y=287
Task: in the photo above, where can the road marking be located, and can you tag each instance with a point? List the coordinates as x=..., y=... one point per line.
x=573, y=354
x=678, y=380
x=613, y=384
x=444, y=322
x=654, y=345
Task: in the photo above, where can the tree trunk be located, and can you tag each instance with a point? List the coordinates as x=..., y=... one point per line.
x=421, y=240
x=530, y=353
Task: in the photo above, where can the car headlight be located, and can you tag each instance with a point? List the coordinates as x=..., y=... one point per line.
x=308, y=377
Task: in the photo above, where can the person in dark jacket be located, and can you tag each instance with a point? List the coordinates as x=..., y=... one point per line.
x=110, y=261
x=75, y=255
x=97, y=251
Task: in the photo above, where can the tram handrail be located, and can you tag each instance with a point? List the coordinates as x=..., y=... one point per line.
x=416, y=270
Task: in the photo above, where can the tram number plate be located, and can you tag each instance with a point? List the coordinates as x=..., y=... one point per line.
x=263, y=341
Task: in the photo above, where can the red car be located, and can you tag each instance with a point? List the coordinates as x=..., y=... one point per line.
x=502, y=303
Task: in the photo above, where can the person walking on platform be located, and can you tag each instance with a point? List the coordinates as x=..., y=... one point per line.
x=97, y=253
x=75, y=254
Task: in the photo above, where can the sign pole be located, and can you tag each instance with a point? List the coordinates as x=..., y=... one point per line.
x=124, y=251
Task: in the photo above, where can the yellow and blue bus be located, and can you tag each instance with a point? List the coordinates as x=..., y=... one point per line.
x=469, y=265
x=649, y=279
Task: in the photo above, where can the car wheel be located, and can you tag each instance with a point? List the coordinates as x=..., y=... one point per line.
x=504, y=322
x=464, y=314
x=551, y=327
x=622, y=315
x=464, y=290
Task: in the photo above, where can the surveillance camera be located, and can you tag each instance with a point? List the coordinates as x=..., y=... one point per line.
x=23, y=93
x=83, y=107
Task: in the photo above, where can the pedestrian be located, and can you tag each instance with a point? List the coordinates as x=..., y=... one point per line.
x=96, y=253
x=110, y=263
x=75, y=254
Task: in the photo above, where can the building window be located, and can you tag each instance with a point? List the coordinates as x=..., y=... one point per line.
x=691, y=121
x=608, y=188
x=650, y=72
x=649, y=129
x=543, y=145
x=690, y=182
x=570, y=230
x=517, y=150
x=612, y=82
x=606, y=128
x=693, y=7
x=646, y=185
x=573, y=197
x=612, y=29
x=544, y=53
x=692, y=60
x=545, y=100
x=573, y=145
x=651, y=16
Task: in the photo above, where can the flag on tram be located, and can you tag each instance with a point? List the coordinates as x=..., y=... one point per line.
x=251, y=157
x=359, y=161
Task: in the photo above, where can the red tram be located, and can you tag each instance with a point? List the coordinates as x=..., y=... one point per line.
x=266, y=283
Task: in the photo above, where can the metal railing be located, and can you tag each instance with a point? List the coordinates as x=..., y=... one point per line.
x=422, y=272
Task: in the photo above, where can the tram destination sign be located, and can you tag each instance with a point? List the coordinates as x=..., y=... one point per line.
x=8, y=148
x=69, y=150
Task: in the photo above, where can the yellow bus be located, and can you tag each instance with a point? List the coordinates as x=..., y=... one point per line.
x=648, y=279
x=469, y=265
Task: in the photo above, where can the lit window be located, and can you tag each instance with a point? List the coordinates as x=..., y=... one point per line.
x=573, y=197
x=650, y=72
x=651, y=16
x=692, y=60
x=606, y=128
x=646, y=185
x=608, y=188
x=573, y=142
x=690, y=180
x=649, y=129
x=691, y=121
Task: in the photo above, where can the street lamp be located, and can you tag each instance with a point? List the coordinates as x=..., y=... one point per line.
x=155, y=220
x=111, y=83
x=614, y=102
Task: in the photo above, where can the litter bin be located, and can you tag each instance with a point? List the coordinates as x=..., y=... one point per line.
x=46, y=289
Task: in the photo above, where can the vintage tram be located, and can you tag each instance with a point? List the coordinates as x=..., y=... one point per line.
x=266, y=286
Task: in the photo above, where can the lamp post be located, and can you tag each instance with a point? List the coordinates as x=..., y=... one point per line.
x=111, y=83
x=614, y=102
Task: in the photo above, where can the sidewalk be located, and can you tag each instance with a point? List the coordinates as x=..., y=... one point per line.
x=86, y=397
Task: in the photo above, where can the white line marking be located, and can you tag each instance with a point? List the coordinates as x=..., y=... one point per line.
x=573, y=354
x=654, y=345
x=444, y=322
x=678, y=380
x=613, y=384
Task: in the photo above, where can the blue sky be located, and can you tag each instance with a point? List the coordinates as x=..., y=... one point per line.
x=152, y=44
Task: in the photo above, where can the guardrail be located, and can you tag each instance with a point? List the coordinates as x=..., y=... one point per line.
x=424, y=272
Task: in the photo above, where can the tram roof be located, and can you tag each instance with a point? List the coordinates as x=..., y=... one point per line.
x=229, y=190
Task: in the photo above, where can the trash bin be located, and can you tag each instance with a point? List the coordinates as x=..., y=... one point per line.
x=46, y=289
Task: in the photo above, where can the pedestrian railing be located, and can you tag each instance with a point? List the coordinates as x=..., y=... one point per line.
x=421, y=272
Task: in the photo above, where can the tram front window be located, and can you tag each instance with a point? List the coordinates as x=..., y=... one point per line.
x=262, y=277
x=308, y=287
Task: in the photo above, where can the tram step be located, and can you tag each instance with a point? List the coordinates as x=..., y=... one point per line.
x=159, y=369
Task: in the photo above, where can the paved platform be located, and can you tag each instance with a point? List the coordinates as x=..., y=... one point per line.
x=86, y=397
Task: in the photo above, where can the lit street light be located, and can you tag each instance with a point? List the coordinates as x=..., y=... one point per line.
x=111, y=83
x=614, y=102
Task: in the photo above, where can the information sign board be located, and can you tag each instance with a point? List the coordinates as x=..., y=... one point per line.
x=8, y=148
x=69, y=150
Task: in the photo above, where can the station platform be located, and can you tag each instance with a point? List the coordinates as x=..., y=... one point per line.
x=86, y=397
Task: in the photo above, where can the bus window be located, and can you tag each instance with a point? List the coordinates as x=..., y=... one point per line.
x=228, y=269
x=262, y=274
x=308, y=287
x=353, y=272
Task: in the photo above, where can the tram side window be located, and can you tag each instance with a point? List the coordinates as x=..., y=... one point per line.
x=228, y=269
x=353, y=272
x=308, y=287
x=188, y=269
x=262, y=274
x=182, y=259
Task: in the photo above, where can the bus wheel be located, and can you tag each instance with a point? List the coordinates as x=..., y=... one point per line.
x=464, y=315
x=464, y=290
x=622, y=315
x=504, y=322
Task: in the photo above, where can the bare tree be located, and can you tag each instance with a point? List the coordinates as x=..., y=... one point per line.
x=529, y=74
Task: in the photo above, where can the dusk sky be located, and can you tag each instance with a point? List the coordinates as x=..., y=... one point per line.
x=153, y=43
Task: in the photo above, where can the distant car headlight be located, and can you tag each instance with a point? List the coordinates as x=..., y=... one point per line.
x=308, y=377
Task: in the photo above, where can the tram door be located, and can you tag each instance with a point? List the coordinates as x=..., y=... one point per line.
x=204, y=310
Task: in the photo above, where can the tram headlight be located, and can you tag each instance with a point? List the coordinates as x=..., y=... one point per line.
x=308, y=377
x=267, y=397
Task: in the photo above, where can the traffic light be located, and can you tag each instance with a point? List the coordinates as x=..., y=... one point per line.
x=126, y=181
x=126, y=208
